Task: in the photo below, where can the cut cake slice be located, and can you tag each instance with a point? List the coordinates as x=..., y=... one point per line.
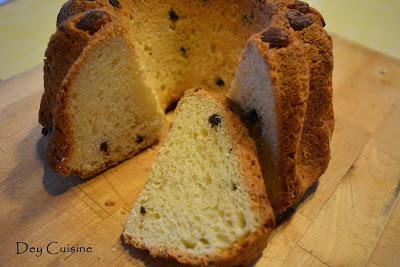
x=284, y=82
x=205, y=201
x=102, y=113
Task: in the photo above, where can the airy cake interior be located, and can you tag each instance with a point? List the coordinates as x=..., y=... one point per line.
x=195, y=201
x=196, y=44
x=114, y=114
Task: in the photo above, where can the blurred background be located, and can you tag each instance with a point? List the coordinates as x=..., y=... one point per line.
x=26, y=26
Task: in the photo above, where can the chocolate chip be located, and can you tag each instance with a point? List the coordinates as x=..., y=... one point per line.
x=172, y=15
x=115, y=3
x=219, y=81
x=183, y=52
x=301, y=6
x=214, y=120
x=104, y=147
x=298, y=20
x=139, y=139
x=92, y=21
x=142, y=210
x=276, y=37
x=46, y=131
x=234, y=187
x=253, y=116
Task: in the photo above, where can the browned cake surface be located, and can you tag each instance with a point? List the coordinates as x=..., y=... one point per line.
x=214, y=120
x=200, y=49
x=312, y=155
x=64, y=48
x=90, y=126
x=294, y=145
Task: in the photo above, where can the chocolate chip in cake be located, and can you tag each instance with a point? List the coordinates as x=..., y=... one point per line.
x=298, y=20
x=172, y=15
x=46, y=131
x=301, y=6
x=234, y=187
x=214, y=120
x=142, y=210
x=115, y=3
x=183, y=52
x=253, y=117
x=92, y=21
x=104, y=147
x=219, y=82
x=276, y=37
x=139, y=139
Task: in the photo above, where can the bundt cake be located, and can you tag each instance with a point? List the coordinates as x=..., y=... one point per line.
x=174, y=48
x=284, y=83
x=205, y=201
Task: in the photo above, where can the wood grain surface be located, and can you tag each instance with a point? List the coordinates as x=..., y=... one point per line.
x=351, y=219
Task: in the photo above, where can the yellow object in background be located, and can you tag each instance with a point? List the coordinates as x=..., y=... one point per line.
x=26, y=26
x=372, y=23
x=25, y=29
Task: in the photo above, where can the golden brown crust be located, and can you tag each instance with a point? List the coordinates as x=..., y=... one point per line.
x=302, y=77
x=118, y=8
x=319, y=123
x=63, y=50
x=60, y=146
x=291, y=102
x=313, y=154
x=247, y=249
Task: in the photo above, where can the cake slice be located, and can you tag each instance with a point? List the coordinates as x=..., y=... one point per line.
x=102, y=113
x=64, y=48
x=205, y=201
x=284, y=83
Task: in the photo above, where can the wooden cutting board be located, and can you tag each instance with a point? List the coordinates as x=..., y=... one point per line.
x=352, y=219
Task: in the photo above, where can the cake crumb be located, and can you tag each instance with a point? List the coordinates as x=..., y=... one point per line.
x=109, y=203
